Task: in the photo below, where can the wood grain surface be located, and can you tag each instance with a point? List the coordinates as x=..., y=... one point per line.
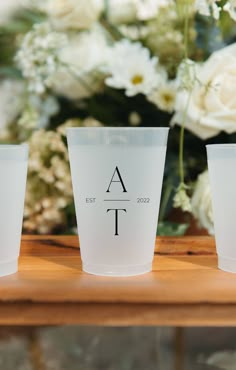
x=185, y=287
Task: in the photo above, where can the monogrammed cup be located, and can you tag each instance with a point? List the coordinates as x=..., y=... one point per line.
x=117, y=179
x=13, y=169
x=222, y=166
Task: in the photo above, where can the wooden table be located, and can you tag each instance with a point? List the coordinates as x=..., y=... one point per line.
x=185, y=287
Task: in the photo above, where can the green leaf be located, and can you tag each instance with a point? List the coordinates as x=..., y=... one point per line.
x=171, y=229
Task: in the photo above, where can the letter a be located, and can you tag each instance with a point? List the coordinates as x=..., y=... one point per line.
x=120, y=180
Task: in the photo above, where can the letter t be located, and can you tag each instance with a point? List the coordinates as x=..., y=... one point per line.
x=116, y=218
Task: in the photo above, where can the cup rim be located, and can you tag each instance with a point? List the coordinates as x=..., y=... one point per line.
x=221, y=146
x=14, y=152
x=103, y=128
x=14, y=146
x=117, y=136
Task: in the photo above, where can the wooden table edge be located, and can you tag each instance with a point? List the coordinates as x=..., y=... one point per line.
x=115, y=314
x=181, y=245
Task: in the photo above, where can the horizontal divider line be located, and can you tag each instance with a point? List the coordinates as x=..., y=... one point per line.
x=116, y=200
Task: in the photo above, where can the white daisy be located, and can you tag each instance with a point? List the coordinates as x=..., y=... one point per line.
x=164, y=96
x=132, y=68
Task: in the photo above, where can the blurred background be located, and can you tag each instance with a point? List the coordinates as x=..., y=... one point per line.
x=137, y=348
x=117, y=63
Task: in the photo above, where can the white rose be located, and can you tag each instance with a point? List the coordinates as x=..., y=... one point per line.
x=122, y=11
x=201, y=202
x=74, y=14
x=84, y=58
x=212, y=105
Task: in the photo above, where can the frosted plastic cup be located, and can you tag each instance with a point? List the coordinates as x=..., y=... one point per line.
x=222, y=172
x=13, y=170
x=117, y=179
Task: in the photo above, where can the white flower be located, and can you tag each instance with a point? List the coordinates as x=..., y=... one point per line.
x=74, y=14
x=134, y=32
x=164, y=37
x=194, y=117
x=49, y=188
x=128, y=11
x=7, y=10
x=208, y=8
x=38, y=54
x=46, y=107
x=201, y=202
x=37, y=113
x=11, y=102
x=148, y=9
x=82, y=61
x=91, y=122
x=181, y=199
x=164, y=95
x=187, y=74
x=135, y=119
x=36, y=5
x=132, y=68
x=212, y=103
x=230, y=7
x=121, y=11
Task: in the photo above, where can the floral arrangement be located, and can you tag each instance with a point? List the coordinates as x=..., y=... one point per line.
x=117, y=63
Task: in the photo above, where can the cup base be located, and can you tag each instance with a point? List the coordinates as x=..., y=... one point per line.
x=227, y=264
x=8, y=268
x=117, y=271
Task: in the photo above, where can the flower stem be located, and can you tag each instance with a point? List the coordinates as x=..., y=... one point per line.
x=181, y=141
x=186, y=29
x=106, y=7
x=166, y=196
x=181, y=155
